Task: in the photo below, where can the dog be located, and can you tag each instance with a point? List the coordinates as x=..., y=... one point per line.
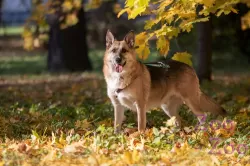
x=133, y=85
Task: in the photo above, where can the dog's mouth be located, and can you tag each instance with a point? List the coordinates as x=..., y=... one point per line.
x=119, y=67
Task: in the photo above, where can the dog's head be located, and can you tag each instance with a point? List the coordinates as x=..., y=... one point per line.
x=120, y=54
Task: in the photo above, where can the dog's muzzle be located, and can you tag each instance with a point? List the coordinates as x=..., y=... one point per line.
x=119, y=67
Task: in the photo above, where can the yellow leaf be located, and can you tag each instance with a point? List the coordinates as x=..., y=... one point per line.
x=71, y=19
x=207, y=3
x=136, y=11
x=171, y=137
x=183, y=57
x=234, y=10
x=168, y=31
x=187, y=14
x=162, y=45
x=241, y=99
x=141, y=38
x=92, y=160
x=129, y=3
x=215, y=160
x=143, y=52
x=67, y=6
x=62, y=139
x=123, y=11
x=143, y=2
x=136, y=156
x=77, y=3
x=84, y=124
x=127, y=157
x=166, y=159
x=164, y=4
x=150, y=23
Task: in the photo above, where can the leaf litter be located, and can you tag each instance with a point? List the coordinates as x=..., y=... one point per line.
x=67, y=120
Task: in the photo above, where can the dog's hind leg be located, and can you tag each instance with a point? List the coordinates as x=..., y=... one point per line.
x=194, y=105
x=171, y=109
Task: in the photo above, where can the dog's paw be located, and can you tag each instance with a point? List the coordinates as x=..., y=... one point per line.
x=117, y=131
x=129, y=131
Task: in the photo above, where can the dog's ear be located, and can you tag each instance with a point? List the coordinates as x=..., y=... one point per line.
x=130, y=39
x=109, y=39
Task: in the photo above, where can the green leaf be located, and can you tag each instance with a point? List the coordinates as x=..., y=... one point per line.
x=157, y=141
x=156, y=131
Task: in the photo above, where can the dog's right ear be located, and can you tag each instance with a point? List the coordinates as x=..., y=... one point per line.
x=109, y=39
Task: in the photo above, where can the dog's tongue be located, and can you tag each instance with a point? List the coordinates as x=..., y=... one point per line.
x=118, y=68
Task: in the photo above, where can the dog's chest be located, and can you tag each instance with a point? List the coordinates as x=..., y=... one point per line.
x=126, y=99
x=120, y=85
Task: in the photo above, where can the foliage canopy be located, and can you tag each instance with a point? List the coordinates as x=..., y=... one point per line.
x=165, y=19
x=168, y=18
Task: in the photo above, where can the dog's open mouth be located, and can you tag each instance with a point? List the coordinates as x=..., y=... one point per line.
x=119, y=67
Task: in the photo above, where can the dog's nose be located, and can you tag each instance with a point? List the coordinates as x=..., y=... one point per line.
x=118, y=60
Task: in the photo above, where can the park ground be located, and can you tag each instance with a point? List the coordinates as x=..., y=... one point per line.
x=66, y=119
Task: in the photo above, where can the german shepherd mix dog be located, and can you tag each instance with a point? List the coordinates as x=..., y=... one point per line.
x=139, y=87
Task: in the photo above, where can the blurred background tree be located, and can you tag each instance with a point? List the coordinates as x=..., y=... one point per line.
x=63, y=24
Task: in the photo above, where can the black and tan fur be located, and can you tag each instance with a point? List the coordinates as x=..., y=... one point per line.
x=140, y=88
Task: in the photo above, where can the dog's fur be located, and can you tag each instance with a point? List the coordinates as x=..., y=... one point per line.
x=139, y=87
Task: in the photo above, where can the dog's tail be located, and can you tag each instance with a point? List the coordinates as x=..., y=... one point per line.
x=208, y=104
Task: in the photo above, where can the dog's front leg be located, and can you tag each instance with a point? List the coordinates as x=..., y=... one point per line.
x=141, y=116
x=118, y=111
x=119, y=116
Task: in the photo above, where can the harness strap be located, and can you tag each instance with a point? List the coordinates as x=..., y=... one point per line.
x=158, y=64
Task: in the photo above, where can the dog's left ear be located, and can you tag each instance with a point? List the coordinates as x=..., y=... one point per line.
x=130, y=39
x=109, y=39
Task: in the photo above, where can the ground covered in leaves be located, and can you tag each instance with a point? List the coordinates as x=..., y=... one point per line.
x=67, y=120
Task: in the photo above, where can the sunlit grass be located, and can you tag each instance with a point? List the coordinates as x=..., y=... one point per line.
x=11, y=30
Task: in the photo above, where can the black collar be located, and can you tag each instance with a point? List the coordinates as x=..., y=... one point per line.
x=118, y=90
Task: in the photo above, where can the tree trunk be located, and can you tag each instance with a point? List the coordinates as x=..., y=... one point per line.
x=68, y=49
x=204, y=55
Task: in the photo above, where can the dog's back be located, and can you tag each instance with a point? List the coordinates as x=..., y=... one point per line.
x=176, y=85
x=177, y=81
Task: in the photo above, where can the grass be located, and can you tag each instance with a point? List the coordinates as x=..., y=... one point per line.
x=22, y=65
x=67, y=119
x=11, y=30
x=37, y=64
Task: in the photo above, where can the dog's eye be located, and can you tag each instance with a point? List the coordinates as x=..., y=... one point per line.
x=124, y=50
x=114, y=50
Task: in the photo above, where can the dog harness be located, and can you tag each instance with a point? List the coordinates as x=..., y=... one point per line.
x=158, y=64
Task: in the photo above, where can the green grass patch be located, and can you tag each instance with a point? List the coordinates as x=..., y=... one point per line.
x=11, y=30
x=12, y=65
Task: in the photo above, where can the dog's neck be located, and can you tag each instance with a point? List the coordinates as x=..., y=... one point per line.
x=120, y=81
